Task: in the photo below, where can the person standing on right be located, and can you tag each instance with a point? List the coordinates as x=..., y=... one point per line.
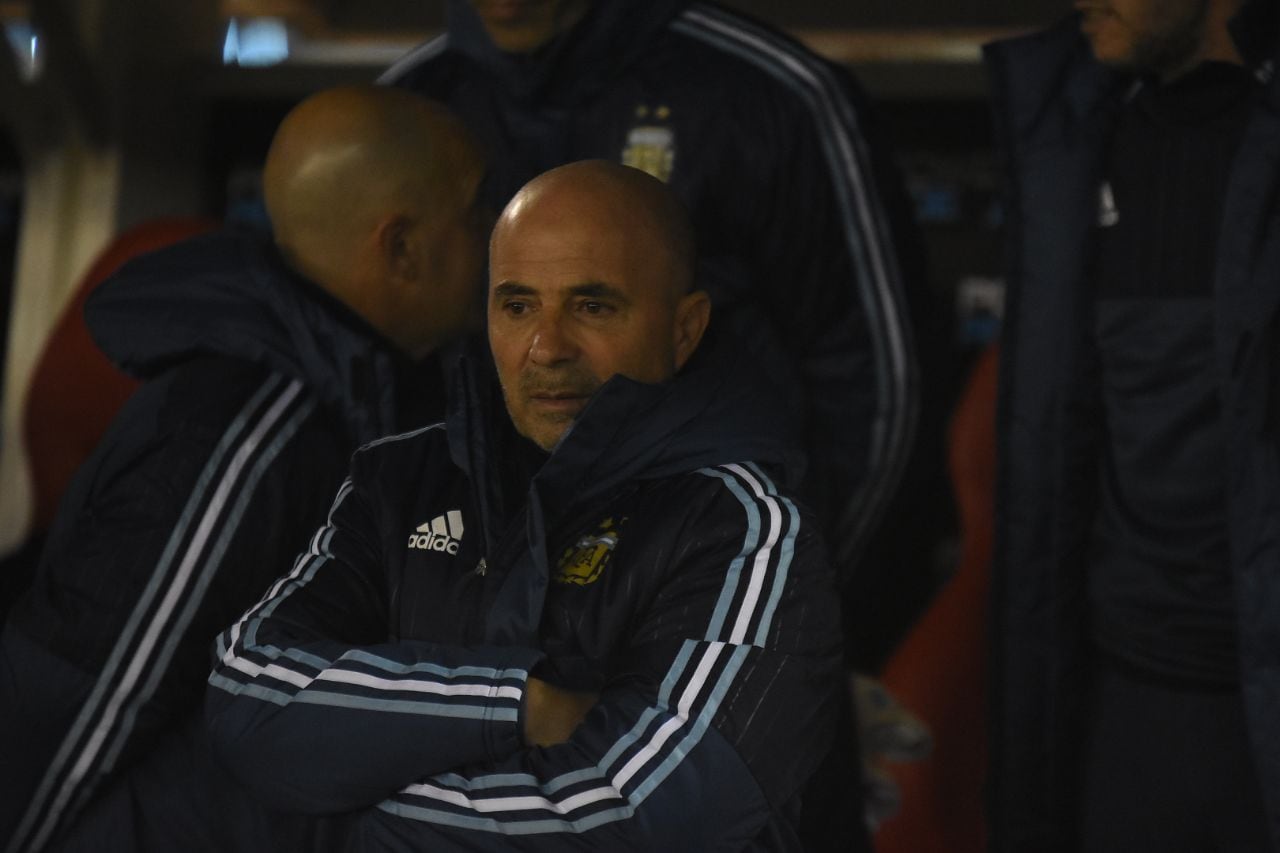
x=1136, y=679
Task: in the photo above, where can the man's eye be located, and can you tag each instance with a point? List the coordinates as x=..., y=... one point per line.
x=515, y=308
x=592, y=307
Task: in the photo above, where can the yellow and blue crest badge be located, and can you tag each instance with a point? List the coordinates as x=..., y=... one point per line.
x=584, y=560
x=651, y=143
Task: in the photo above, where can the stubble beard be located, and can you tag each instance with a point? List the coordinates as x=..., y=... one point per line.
x=546, y=429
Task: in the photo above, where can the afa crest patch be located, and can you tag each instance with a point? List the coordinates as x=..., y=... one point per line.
x=651, y=143
x=583, y=562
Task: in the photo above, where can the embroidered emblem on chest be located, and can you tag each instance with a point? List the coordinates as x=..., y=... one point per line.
x=651, y=143
x=584, y=561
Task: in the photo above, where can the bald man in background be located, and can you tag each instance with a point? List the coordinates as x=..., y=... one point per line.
x=265, y=364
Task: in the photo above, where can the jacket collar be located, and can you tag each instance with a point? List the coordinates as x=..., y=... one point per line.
x=229, y=293
x=709, y=414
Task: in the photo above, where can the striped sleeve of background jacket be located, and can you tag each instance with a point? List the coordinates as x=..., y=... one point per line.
x=831, y=252
x=165, y=539
x=721, y=705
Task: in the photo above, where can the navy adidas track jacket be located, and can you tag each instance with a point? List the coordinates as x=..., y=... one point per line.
x=384, y=676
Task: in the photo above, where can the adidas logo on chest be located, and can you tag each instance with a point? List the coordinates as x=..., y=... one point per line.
x=442, y=533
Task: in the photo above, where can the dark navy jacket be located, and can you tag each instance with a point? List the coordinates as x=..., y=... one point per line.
x=1054, y=104
x=651, y=559
x=258, y=387
x=770, y=149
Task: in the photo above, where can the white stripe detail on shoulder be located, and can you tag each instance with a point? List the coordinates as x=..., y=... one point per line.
x=415, y=57
x=401, y=436
x=304, y=565
x=763, y=558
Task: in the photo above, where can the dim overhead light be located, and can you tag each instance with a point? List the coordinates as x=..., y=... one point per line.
x=28, y=48
x=255, y=42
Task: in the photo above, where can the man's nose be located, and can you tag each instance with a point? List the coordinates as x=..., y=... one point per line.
x=552, y=341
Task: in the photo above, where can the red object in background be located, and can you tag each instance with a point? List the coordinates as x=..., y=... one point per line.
x=939, y=673
x=75, y=391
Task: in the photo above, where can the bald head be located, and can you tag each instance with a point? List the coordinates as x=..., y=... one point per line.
x=591, y=274
x=355, y=169
x=610, y=204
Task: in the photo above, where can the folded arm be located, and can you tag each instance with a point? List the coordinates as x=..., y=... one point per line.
x=313, y=709
x=726, y=706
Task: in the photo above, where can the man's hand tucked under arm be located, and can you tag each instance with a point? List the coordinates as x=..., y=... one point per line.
x=552, y=713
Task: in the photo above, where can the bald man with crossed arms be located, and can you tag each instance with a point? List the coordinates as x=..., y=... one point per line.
x=266, y=363
x=578, y=615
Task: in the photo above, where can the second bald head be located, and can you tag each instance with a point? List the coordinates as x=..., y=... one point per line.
x=346, y=155
x=372, y=194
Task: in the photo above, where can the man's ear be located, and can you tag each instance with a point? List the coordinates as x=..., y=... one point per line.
x=693, y=312
x=395, y=246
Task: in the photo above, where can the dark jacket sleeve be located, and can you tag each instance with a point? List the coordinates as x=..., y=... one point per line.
x=834, y=252
x=862, y=370
x=161, y=539
x=311, y=707
x=868, y=336
x=720, y=707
